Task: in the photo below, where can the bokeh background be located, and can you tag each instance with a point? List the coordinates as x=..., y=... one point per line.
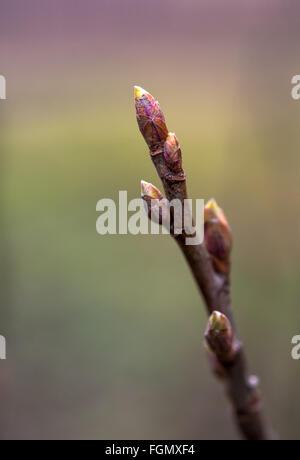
x=105, y=334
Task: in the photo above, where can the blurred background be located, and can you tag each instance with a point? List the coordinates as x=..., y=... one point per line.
x=105, y=333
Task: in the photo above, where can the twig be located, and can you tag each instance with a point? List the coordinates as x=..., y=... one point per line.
x=210, y=266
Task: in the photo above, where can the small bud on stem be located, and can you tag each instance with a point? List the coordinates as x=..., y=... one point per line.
x=218, y=238
x=150, y=119
x=150, y=191
x=219, y=336
x=172, y=153
x=155, y=204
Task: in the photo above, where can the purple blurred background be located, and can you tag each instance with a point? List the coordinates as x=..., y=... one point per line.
x=92, y=351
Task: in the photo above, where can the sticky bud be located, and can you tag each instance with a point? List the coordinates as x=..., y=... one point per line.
x=172, y=153
x=219, y=336
x=150, y=119
x=218, y=237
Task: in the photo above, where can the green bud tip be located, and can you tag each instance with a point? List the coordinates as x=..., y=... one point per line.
x=218, y=323
x=213, y=211
x=219, y=335
x=150, y=191
x=140, y=92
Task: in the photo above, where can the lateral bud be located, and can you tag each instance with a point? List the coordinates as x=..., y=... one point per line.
x=218, y=237
x=219, y=337
x=172, y=153
x=150, y=191
x=156, y=206
x=151, y=120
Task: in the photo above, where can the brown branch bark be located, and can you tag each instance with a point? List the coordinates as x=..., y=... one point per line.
x=242, y=391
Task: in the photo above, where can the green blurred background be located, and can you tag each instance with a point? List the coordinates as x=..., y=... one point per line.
x=105, y=333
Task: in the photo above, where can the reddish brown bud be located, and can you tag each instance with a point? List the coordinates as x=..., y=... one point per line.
x=150, y=119
x=219, y=336
x=172, y=153
x=218, y=238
